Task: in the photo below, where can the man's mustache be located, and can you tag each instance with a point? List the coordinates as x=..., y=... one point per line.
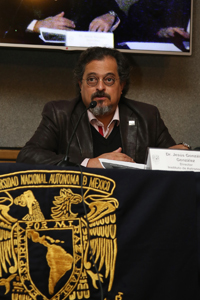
x=100, y=94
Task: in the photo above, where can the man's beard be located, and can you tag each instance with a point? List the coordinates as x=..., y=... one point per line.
x=100, y=110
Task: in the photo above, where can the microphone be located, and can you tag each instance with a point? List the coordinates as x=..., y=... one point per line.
x=65, y=161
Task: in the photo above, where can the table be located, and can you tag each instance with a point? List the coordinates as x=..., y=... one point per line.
x=144, y=233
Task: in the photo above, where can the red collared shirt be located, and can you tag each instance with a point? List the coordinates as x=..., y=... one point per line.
x=96, y=123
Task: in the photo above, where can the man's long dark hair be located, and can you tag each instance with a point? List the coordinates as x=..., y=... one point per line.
x=99, y=53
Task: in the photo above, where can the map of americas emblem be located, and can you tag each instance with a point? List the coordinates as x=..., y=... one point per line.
x=44, y=243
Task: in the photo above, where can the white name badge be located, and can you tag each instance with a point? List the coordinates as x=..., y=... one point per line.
x=173, y=160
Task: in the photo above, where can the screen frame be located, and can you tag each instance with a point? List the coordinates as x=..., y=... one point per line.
x=133, y=51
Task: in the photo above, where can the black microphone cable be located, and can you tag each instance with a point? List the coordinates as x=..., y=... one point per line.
x=65, y=160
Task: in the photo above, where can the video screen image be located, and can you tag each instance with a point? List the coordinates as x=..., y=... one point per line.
x=129, y=25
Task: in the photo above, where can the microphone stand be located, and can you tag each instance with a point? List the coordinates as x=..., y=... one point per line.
x=65, y=161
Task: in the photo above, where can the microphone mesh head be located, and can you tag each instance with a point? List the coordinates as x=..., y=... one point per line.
x=92, y=104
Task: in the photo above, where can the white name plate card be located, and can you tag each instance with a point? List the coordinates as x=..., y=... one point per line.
x=89, y=39
x=79, y=39
x=173, y=160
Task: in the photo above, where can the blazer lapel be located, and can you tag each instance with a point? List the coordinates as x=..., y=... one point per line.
x=128, y=130
x=83, y=133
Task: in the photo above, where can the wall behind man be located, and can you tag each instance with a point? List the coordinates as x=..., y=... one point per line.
x=30, y=78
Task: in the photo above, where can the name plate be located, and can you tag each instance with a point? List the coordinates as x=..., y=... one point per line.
x=89, y=39
x=173, y=160
x=77, y=38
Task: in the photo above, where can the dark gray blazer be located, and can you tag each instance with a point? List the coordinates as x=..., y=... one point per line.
x=48, y=144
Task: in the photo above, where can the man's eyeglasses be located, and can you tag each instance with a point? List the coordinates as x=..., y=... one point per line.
x=107, y=80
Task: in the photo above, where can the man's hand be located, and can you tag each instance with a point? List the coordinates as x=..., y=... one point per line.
x=170, y=32
x=180, y=146
x=115, y=155
x=102, y=23
x=56, y=22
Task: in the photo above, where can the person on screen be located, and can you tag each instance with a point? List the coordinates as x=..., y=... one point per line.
x=84, y=15
x=117, y=128
x=159, y=20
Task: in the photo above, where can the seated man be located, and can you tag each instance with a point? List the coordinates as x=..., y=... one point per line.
x=86, y=15
x=158, y=20
x=117, y=128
